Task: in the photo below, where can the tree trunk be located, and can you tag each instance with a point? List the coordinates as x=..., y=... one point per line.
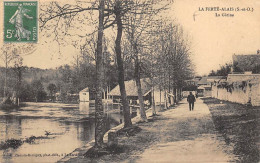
x=160, y=87
x=152, y=93
x=165, y=100
x=18, y=87
x=99, y=113
x=165, y=93
x=153, y=101
x=160, y=98
x=175, y=95
x=126, y=109
x=139, y=87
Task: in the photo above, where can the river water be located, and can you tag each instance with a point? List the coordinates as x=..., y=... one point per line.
x=70, y=126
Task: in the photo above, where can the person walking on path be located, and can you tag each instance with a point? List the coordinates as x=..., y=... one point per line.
x=191, y=99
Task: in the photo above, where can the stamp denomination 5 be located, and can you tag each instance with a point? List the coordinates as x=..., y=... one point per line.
x=20, y=21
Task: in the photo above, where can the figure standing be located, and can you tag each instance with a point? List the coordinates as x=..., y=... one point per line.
x=17, y=20
x=191, y=99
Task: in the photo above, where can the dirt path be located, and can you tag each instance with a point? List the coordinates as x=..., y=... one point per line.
x=187, y=136
x=176, y=135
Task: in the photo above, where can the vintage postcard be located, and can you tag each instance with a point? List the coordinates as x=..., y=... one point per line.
x=144, y=81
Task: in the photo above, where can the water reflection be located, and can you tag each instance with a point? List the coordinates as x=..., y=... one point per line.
x=85, y=109
x=71, y=126
x=10, y=128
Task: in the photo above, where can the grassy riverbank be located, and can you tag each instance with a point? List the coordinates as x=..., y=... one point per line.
x=240, y=127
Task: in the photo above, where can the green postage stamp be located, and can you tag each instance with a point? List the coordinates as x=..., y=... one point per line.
x=20, y=21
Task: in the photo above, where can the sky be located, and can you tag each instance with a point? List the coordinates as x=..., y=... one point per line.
x=216, y=39
x=213, y=39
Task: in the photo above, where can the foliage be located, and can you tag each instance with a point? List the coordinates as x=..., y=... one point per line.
x=236, y=68
x=171, y=56
x=67, y=79
x=38, y=91
x=52, y=88
x=223, y=71
x=256, y=69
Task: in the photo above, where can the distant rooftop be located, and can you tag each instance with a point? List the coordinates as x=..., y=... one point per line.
x=85, y=90
x=208, y=79
x=246, y=62
x=131, y=89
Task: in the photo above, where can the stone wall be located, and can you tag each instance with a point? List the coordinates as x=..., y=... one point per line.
x=243, y=92
x=242, y=77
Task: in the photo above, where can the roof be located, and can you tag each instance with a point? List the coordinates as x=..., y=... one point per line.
x=204, y=87
x=85, y=90
x=216, y=77
x=246, y=62
x=222, y=80
x=192, y=81
x=208, y=79
x=203, y=80
x=200, y=87
x=131, y=89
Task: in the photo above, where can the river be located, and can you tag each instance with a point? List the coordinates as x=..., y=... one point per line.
x=70, y=126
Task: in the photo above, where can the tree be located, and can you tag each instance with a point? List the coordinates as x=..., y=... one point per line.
x=99, y=122
x=26, y=93
x=52, y=88
x=7, y=56
x=112, y=7
x=134, y=23
x=110, y=13
x=13, y=53
x=127, y=15
x=38, y=90
x=172, y=59
x=160, y=51
x=256, y=69
x=181, y=67
x=67, y=13
x=224, y=70
x=118, y=10
x=18, y=69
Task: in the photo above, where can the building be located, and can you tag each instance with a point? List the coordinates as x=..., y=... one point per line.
x=249, y=62
x=205, y=85
x=84, y=95
x=132, y=95
x=190, y=86
x=192, y=82
x=209, y=80
x=131, y=92
x=160, y=95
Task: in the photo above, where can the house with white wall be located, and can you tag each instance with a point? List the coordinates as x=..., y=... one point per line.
x=84, y=95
